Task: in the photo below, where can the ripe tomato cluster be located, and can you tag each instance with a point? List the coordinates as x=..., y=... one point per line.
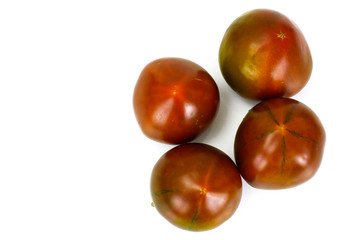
x=279, y=143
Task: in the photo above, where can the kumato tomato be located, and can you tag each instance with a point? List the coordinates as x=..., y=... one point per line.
x=279, y=144
x=175, y=100
x=196, y=186
x=263, y=54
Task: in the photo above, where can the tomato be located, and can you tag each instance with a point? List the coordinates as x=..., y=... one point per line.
x=263, y=54
x=175, y=100
x=196, y=186
x=279, y=144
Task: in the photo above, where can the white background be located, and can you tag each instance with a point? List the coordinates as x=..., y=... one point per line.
x=73, y=161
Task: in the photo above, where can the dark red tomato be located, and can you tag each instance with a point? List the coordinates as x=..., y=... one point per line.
x=196, y=186
x=175, y=100
x=263, y=54
x=279, y=144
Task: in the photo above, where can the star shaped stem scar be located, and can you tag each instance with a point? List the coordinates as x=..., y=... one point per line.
x=281, y=35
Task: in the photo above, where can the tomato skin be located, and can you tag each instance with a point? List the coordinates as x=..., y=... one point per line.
x=175, y=100
x=196, y=186
x=263, y=54
x=279, y=144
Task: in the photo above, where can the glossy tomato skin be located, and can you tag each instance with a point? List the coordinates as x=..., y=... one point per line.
x=196, y=186
x=279, y=144
x=263, y=54
x=175, y=100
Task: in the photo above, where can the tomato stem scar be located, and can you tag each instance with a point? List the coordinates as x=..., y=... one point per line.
x=203, y=191
x=281, y=35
